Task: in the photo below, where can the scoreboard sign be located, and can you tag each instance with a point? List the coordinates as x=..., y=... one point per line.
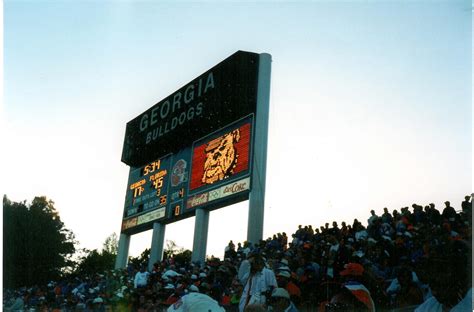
x=214, y=171
x=225, y=93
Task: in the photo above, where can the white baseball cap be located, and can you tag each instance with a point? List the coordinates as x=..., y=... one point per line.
x=280, y=292
x=196, y=302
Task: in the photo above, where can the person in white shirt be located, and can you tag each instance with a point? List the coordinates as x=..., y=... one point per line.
x=260, y=283
x=141, y=278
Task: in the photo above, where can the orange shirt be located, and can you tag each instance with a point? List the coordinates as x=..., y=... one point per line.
x=293, y=290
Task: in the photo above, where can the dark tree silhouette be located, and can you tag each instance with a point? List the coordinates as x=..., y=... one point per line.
x=37, y=247
x=98, y=261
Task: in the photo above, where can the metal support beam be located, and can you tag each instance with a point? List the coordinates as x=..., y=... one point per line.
x=257, y=195
x=157, y=241
x=122, y=253
x=201, y=226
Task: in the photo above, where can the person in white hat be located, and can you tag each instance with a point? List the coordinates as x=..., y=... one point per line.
x=195, y=302
x=280, y=301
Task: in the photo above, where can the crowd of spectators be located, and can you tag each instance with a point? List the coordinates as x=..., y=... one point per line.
x=412, y=259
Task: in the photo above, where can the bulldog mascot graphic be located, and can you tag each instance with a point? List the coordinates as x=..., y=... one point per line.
x=221, y=157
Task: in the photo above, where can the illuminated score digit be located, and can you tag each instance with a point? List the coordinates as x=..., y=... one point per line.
x=138, y=191
x=158, y=183
x=177, y=209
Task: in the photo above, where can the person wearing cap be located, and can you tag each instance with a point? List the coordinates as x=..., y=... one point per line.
x=280, y=301
x=284, y=281
x=195, y=302
x=98, y=304
x=352, y=273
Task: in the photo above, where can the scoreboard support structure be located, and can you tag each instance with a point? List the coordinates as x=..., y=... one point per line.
x=122, y=252
x=257, y=195
x=157, y=241
x=201, y=227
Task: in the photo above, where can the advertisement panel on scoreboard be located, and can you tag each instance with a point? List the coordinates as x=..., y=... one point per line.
x=211, y=173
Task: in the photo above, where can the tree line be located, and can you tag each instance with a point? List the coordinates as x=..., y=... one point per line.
x=38, y=248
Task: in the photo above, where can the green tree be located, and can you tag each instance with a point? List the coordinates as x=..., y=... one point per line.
x=37, y=246
x=111, y=244
x=141, y=260
x=171, y=249
x=179, y=254
x=94, y=261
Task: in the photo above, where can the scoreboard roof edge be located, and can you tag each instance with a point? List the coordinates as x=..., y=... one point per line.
x=222, y=94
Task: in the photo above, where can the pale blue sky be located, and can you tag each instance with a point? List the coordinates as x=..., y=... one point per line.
x=370, y=104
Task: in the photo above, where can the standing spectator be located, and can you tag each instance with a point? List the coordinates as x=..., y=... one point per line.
x=260, y=283
x=448, y=212
x=372, y=218
x=229, y=250
x=467, y=205
x=284, y=241
x=386, y=216
x=141, y=278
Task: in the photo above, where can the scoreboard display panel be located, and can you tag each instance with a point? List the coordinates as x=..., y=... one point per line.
x=213, y=172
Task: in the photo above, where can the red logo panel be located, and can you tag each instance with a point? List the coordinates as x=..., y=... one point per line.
x=221, y=157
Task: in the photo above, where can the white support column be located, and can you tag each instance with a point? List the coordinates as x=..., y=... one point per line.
x=257, y=195
x=157, y=241
x=122, y=253
x=201, y=226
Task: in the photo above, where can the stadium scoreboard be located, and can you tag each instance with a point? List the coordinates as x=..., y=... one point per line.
x=193, y=149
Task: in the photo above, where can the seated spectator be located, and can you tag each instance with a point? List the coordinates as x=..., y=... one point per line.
x=353, y=274
x=345, y=300
x=284, y=281
x=410, y=293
